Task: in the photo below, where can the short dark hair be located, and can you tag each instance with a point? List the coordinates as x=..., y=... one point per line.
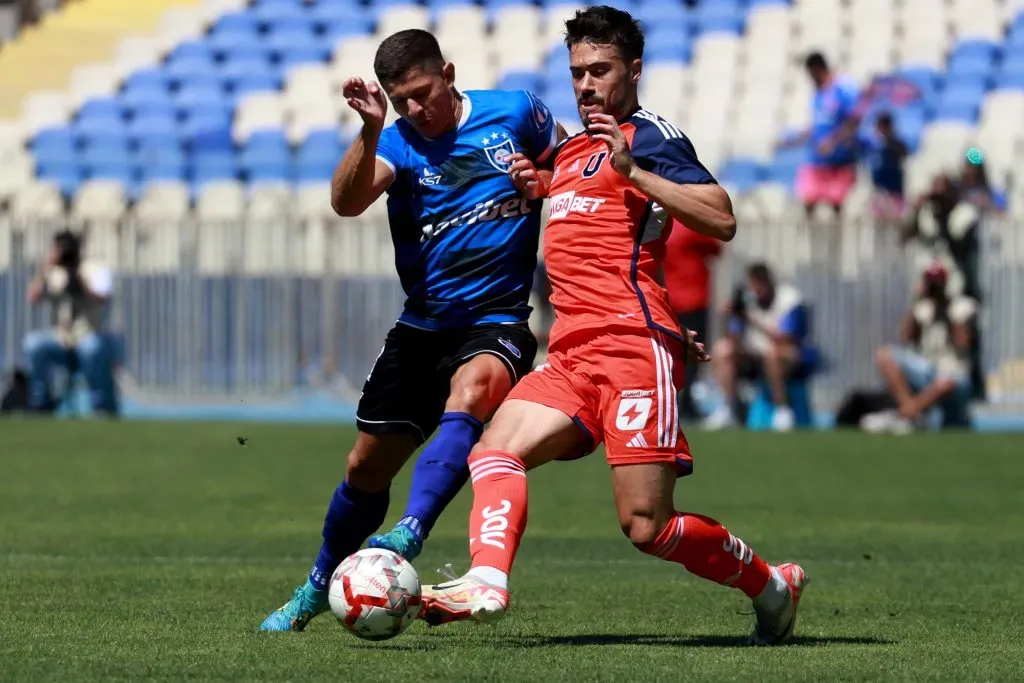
x=604, y=25
x=760, y=272
x=816, y=60
x=401, y=52
x=885, y=119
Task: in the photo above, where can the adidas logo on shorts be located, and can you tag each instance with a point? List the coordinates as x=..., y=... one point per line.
x=638, y=441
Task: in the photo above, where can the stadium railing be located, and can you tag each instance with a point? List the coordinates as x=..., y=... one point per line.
x=237, y=309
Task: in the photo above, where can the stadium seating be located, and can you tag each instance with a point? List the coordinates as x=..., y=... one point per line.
x=228, y=90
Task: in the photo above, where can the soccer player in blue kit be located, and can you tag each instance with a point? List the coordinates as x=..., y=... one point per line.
x=465, y=249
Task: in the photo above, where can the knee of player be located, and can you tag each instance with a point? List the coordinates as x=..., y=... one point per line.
x=641, y=530
x=478, y=390
x=365, y=473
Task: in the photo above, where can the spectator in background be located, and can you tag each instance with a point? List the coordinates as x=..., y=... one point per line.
x=687, y=275
x=831, y=171
x=886, y=154
x=932, y=368
x=975, y=186
x=945, y=228
x=768, y=338
x=79, y=292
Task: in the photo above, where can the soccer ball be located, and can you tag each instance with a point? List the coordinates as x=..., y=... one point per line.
x=375, y=594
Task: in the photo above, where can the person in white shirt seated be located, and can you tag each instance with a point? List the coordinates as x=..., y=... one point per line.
x=931, y=370
x=768, y=339
x=78, y=292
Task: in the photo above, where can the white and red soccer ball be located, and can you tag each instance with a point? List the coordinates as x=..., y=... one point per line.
x=375, y=594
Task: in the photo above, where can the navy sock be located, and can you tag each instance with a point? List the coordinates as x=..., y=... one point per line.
x=441, y=471
x=351, y=517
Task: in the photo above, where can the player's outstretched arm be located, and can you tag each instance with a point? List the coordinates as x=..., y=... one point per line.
x=704, y=208
x=362, y=177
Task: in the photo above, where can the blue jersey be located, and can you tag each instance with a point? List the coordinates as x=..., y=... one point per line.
x=465, y=239
x=833, y=108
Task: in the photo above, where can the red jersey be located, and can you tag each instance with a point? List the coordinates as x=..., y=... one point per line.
x=605, y=241
x=687, y=274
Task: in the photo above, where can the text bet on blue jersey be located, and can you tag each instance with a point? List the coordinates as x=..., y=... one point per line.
x=465, y=239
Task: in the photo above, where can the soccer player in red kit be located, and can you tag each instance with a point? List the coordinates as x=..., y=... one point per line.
x=616, y=351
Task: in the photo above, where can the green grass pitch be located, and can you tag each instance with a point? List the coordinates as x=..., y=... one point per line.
x=153, y=551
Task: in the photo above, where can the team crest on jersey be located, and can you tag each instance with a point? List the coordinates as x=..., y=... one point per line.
x=498, y=148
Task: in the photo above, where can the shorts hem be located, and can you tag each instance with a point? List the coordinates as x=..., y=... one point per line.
x=682, y=465
x=384, y=427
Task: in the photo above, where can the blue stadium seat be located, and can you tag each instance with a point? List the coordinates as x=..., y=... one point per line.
x=147, y=79
x=521, y=80
x=1011, y=70
x=973, y=59
x=751, y=4
x=207, y=166
x=655, y=13
x=356, y=25
x=721, y=16
x=960, y=110
x=270, y=171
x=101, y=108
x=928, y=81
x=55, y=154
x=54, y=139
x=191, y=50
x=680, y=53
x=155, y=128
x=274, y=140
x=255, y=82
x=170, y=161
x=290, y=24
x=208, y=133
x=294, y=47
x=324, y=13
x=145, y=99
x=66, y=178
x=1010, y=81
x=236, y=22
x=910, y=123
x=303, y=54
x=742, y=173
x=783, y=167
x=314, y=170
x=109, y=132
x=667, y=44
x=202, y=96
x=238, y=45
x=189, y=70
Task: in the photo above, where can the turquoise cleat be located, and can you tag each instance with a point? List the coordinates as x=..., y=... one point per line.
x=306, y=603
x=401, y=540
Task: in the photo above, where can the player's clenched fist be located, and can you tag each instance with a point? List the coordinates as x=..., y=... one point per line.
x=526, y=178
x=367, y=99
x=605, y=128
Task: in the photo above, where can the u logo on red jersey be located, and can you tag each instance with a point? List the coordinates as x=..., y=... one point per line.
x=594, y=164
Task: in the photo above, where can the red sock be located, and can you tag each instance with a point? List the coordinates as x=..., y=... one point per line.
x=499, y=508
x=707, y=549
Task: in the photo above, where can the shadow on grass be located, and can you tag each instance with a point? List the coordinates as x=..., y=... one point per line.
x=679, y=641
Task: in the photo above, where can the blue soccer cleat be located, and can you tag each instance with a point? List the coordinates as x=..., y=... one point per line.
x=401, y=540
x=306, y=603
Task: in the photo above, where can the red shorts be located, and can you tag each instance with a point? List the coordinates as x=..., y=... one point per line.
x=619, y=389
x=825, y=184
